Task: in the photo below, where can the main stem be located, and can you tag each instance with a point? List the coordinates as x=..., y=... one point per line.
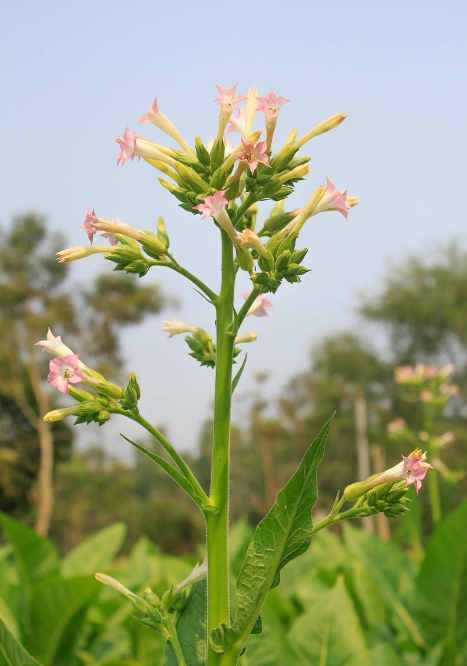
x=217, y=524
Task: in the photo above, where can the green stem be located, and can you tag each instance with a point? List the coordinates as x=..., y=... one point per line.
x=249, y=201
x=332, y=519
x=176, y=457
x=217, y=524
x=175, y=266
x=173, y=638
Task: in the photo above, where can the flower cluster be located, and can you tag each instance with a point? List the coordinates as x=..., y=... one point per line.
x=412, y=469
x=66, y=369
x=223, y=183
x=429, y=383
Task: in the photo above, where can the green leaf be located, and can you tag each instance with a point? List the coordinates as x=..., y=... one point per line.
x=284, y=534
x=171, y=471
x=58, y=608
x=443, y=583
x=36, y=559
x=330, y=634
x=12, y=653
x=95, y=553
x=272, y=648
x=236, y=379
x=382, y=580
x=191, y=629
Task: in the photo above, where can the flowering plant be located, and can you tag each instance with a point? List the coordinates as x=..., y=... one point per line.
x=223, y=183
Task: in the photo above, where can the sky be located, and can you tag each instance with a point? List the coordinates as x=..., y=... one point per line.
x=75, y=74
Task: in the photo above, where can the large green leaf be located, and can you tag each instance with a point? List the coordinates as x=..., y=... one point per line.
x=330, y=634
x=272, y=647
x=382, y=580
x=36, y=559
x=191, y=629
x=284, y=534
x=58, y=608
x=12, y=653
x=95, y=553
x=443, y=585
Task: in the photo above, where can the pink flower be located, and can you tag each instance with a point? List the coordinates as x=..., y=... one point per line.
x=54, y=345
x=259, y=307
x=252, y=154
x=333, y=199
x=237, y=123
x=89, y=226
x=151, y=116
x=212, y=205
x=415, y=469
x=403, y=373
x=127, y=144
x=396, y=427
x=271, y=104
x=227, y=98
x=64, y=371
x=89, y=223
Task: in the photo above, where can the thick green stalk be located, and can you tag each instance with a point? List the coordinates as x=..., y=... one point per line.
x=433, y=479
x=217, y=524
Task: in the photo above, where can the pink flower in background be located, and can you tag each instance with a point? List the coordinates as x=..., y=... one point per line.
x=403, y=373
x=271, y=104
x=333, y=199
x=252, y=154
x=396, y=427
x=259, y=307
x=212, y=205
x=237, y=123
x=227, y=98
x=63, y=371
x=127, y=144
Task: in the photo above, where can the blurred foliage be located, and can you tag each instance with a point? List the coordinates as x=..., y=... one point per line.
x=35, y=293
x=349, y=599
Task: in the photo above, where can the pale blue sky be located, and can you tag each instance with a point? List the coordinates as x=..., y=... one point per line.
x=74, y=74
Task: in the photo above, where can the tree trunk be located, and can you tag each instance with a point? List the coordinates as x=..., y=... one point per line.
x=45, y=494
x=363, y=451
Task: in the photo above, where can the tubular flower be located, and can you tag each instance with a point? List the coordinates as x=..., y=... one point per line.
x=133, y=145
x=64, y=371
x=271, y=105
x=248, y=239
x=54, y=345
x=157, y=118
x=259, y=307
x=252, y=336
x=252, y=154
x=237, y=123
x=176, y=327
x=214, y=206
x=333, y=199
x=90, y=226
x=227, y=98
x=412, y=470
x=228, y=102
x=199, y=573
x=80, y=251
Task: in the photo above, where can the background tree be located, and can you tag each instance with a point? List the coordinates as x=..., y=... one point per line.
x=34, y=295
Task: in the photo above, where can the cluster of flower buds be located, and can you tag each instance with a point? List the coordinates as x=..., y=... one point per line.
x=158, y=613
x=224, y=182
x=66, y=370
x=390, y=499
x=430, y=384
x=200, y=341
x=411, y=470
